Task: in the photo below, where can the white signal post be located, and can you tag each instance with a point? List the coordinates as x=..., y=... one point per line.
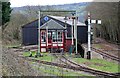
x=89, y=38
x=90, y=33
x=73, y=18
x=76, y=30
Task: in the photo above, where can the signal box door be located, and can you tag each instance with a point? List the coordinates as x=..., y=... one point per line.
x=49, y=39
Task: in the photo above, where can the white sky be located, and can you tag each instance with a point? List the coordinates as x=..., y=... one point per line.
x=19, y=3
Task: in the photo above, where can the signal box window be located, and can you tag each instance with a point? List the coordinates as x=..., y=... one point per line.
x=59, y=36
x=43, y=37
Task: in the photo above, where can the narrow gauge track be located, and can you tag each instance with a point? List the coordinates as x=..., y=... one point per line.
x=77, y=67
x=103, y=53
x=85, y=69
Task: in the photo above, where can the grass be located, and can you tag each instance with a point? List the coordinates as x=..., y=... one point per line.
x=46, y=56
x=28, y=53
x=98, y=45
x=52, y=70
x=99, y=64
x=57, y=71
x=11, y=46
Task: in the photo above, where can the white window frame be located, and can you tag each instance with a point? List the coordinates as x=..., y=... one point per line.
x=43, y=36
x=55, y=37
x=59, y=37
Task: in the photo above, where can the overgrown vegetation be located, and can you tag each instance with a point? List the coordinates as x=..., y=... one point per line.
x=12, y=65
x=108, y=13
x=12, y=33
x=57, y=71
x=6, y=11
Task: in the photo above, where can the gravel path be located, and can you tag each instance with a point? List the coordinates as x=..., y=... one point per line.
x=15, y=66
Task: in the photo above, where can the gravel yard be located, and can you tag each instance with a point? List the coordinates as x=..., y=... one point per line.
x=15, y=66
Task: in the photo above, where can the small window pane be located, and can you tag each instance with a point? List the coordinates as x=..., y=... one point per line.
x=43, y=37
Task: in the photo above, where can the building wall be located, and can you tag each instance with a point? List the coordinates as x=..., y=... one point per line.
x=54, y=45
x=29, y=36
x=82, y=34
x=68, y=44
x=30, y=33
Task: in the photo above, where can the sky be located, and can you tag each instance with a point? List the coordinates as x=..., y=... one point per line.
x=19, y=3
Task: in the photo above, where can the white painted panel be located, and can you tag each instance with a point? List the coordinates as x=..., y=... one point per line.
x=43, y=49
x=43, y=44
x=60, y=44
x=93, y=21
x=54, y=44
x=99, y=21
x=49, y=44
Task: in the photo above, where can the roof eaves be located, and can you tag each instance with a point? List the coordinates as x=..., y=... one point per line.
x=68, y=21
x=28, y=23
x=53, y=21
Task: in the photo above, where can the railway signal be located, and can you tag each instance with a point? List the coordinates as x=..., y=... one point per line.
x=73, y=23
x=74, y=31
x=89, y=38
x=90, y=33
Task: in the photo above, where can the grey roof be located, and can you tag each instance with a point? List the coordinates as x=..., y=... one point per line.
x=69, y=21
x=51, y=24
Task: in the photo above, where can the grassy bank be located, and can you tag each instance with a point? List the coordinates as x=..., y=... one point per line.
x=99, y=64
x=57, y=71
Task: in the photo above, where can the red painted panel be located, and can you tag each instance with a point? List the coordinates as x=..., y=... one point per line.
x=51, y=43
x=68, y=44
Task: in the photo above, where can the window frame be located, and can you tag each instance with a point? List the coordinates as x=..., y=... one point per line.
x=43, y=37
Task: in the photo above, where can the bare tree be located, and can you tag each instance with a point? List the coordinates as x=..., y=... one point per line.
x=108, y=13
x=12, y=32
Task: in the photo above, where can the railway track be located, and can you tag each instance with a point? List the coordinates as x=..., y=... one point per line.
x=103, y=53
x=86, y=69
x=74, y=66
